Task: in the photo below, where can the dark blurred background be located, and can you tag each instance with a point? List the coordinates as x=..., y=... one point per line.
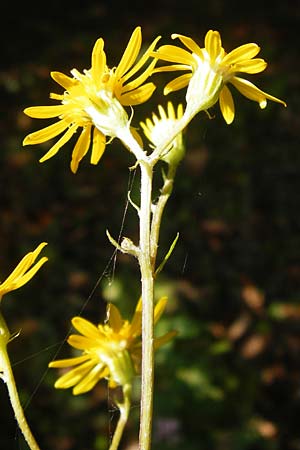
x=231, y=380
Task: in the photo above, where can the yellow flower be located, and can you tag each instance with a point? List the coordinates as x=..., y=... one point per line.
x=162, y=128
x=24, y=271
x=111, y=351
x=94, y=101
x=210, y=70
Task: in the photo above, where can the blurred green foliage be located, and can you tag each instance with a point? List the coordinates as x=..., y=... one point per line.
x=231, y=379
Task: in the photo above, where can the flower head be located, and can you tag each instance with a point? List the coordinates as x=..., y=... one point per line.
x=162, y=128
x=94, y=101
x=111, y=351
x=210, y=70
x=24, y=271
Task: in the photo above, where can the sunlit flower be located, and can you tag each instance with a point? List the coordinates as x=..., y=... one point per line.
x=210, y=69
x=161, y=128
x=111, y=351
x=24, y=271
x=94, y=101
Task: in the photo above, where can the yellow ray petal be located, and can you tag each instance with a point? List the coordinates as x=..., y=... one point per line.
x=141, y=61
x=213, y=44
x=72, y=377
x=159, y=308
x=81, y=342
x=131, y=52
x=38, y=250
x=136, y=323
x=137, y=136
x=54, y=96
x=226, y=105
x=146, y=131
x=171, y=53
x=139, y=80
x=177, y=83
x=251, y=66
x=68, y=362
x=98, y=147
x=88, y=382
x=252, y=92
x=114, y=318
x=20, y=275
x=172, y=68
x=45, y=112
x=158, y=342
x=180, y=111
x=171, y=111
x=162, y=112
x=139, y=95
x=155, y=119
x=64, y=81
x=56, y=147
x=241, y=53
x=30, y=274
x=149, y=123
x=81, y=148
x=46, y=133
x=189, y=43
x=24, y=264
x=98, y=62
x=16, y=274
x=85, y=327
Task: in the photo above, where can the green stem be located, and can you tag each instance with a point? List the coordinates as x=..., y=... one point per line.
x=165, y=193
x=124, y=412
x=8, y=378
x=147, y=279
x=148, y=243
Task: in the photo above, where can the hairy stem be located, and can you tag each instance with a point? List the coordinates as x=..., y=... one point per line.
x=148, y=243
x=148, y=305
x=147, y=281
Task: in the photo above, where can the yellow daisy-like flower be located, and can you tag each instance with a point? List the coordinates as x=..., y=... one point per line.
x=111, y=351
x=94, y=101
x=211, y=69
x=24, y=271
x=162, y=128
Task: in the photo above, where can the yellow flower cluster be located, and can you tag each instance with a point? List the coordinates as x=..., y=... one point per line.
x=162, y=128
x=210, y=69
x=111, y=351
x=24, y=271
x=95, y=99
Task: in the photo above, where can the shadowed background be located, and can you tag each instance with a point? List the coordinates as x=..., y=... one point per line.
x=231, y=380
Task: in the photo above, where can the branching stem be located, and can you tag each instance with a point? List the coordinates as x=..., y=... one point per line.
x=149, y=226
